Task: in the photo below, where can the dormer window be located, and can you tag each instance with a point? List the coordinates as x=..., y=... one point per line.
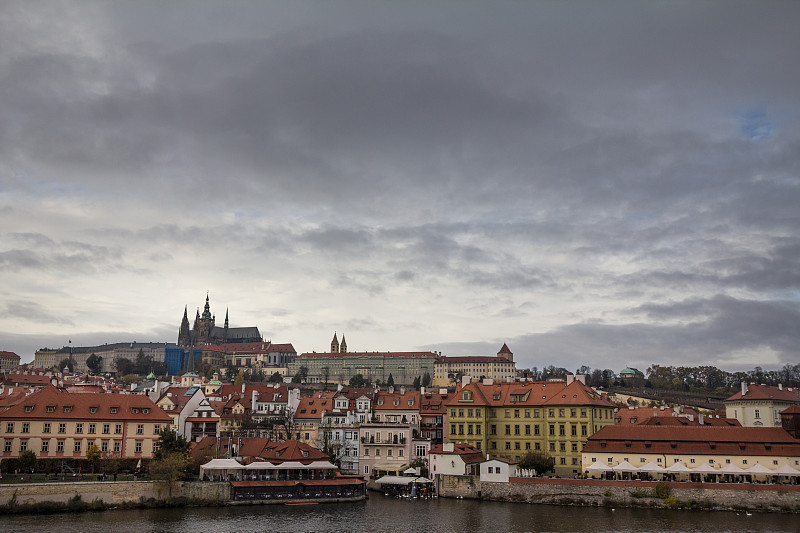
x=67, y=408
x=114, y=410
x=145, y=411
x=134, y=411
x=51, y=408
x=93, y=409
x=466, y=395
x=305, y=453
x=28, y=408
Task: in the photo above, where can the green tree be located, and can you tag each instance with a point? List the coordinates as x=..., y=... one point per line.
x=390, y=381
x=301, y=375
x=276, y=378
x=537, y=460
x=426, y=380
x=239, y=381
x=93, y=455
x=94, y=363
x=66, y=363
x=170, y=442
x=27, y=461
x=124, y=366
x=416, y=383
x=358, y=381
x=170, y=467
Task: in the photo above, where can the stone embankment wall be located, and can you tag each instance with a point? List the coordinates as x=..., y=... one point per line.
x=785, y=498
x=112, y=492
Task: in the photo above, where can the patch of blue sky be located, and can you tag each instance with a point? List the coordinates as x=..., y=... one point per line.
x=756, y=124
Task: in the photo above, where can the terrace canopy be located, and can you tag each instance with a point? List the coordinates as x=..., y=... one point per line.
x=222, y=467
x=652, y=468
x=786, y=470
x=625, y=466
x=598, y=466
x=759, y=470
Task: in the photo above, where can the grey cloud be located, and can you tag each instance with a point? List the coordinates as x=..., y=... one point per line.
x=32, y=312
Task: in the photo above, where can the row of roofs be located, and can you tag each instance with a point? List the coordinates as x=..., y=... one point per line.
x=249, y=348
x=695, y=440
x=51, y=402
x=345, y=355
x=570, y=392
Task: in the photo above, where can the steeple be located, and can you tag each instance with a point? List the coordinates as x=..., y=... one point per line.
x=207, y=309
x=183, y=332
x=343, y=346
x=226, y=318
x=334, y=344
x=505, y=353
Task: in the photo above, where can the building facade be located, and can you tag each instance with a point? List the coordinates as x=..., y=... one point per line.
x=9, y=361
x=339, y=367
x=450, y=370
x=510, y=419
x=54, y=423
x=761, y=405
x=205, y=331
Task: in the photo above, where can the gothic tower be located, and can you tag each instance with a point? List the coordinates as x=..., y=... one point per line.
x=184, y=337
x=334, y=344
x=343, y=346
x=505, y=353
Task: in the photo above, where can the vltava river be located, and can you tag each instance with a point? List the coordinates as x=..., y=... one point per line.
x=382, y=514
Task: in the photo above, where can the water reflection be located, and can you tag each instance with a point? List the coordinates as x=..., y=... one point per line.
x=380, y=514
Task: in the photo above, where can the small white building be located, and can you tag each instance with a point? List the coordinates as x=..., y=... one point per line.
x=498, y=470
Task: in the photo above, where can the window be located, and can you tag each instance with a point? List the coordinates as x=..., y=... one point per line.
x=157, y=429
x=477, y=412
x=508, y=413
x=93, y=410
x=477, y=429
x=551, y=412
x=516, y=429
x=79, y=427
x=469, y=429
x=583, y=413
x=62, y=428
x=60, y=446
x=562, y=430
x=118, y=429
x=45, y=446
x=26, y=427
x=389, y=452
x=561, y=413
x=527, y=413
x=77, y=447
x=7, y=446
x=562, y=446
x=452, y=429
x=140, y=429
x=138, y=447
x=104, y=446
x=508, y=429
x=552, y=430
x=51, y=408
x=46, y=427
x=575, y=447
x=552, y=446
x=377, y=452
x=67, y=408
x=584, y=431
x=366, y=452
x=537, y=446
x=469, y=413
x=114, y=410
x=10, y=428
x=116, y=446
x=28, y=408
x=156, y=446
x=758, y=414
x=92, y=428
x=516, y=445
x=452, y=413
x=493, y=429
x=366, y=469
x=23, y=445
x=508, y=445
x=106, y=429
x=572, y=413
x=574, y=430
x=516, y=413
x=527, y=429
x=461, y=412
x=461, y=429
x=536, y=429
x=493, y=445
x=527, y=445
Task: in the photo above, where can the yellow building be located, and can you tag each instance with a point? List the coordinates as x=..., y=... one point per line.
x=510, y=419
x=54, y=423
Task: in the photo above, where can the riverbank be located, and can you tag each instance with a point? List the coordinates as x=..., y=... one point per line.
x=607, y=493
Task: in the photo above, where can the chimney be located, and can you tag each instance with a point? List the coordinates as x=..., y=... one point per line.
x=780, y=386
x=744, y=388
x=253, y=399
x=243, y=385
x=488, y=381
x=570, y=378
x=700, y=419
x=581, y=378
x=465, y=380
x=402, y=390
x=448, y=447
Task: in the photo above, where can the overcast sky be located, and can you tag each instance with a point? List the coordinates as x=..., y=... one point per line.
x=598, y=183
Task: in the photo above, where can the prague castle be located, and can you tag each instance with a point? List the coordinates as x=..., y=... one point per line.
x=205, y=330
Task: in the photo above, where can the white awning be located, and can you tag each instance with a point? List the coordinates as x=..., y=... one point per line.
x=322, y=465
x=705, y=468
x=625, y=466
x=221, y=465
x=786, y=470
x=598, y=466
x=261, y=465
x=732, y=469
x=401, y=480
x=759, y=469
x=652, y=468
x=678, y=468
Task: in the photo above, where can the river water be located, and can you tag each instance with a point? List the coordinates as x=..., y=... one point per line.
x=383, y=514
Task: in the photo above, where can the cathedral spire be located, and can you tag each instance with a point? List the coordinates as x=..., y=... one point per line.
x=183, y=333
x=207, y=309
x=334, y=344
x=226, y=318
x=343, y=345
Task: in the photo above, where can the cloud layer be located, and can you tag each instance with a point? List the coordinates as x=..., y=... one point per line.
x=604, y=185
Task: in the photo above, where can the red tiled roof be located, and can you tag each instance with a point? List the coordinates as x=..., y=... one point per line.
x=312, y=408
x=385, y=401
x=536, y=393
x=475, y=359
x=768, y=392
x=468, y=454
x=79, y=406
x=714, y=440
x=292, y=450
x=791, y=410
